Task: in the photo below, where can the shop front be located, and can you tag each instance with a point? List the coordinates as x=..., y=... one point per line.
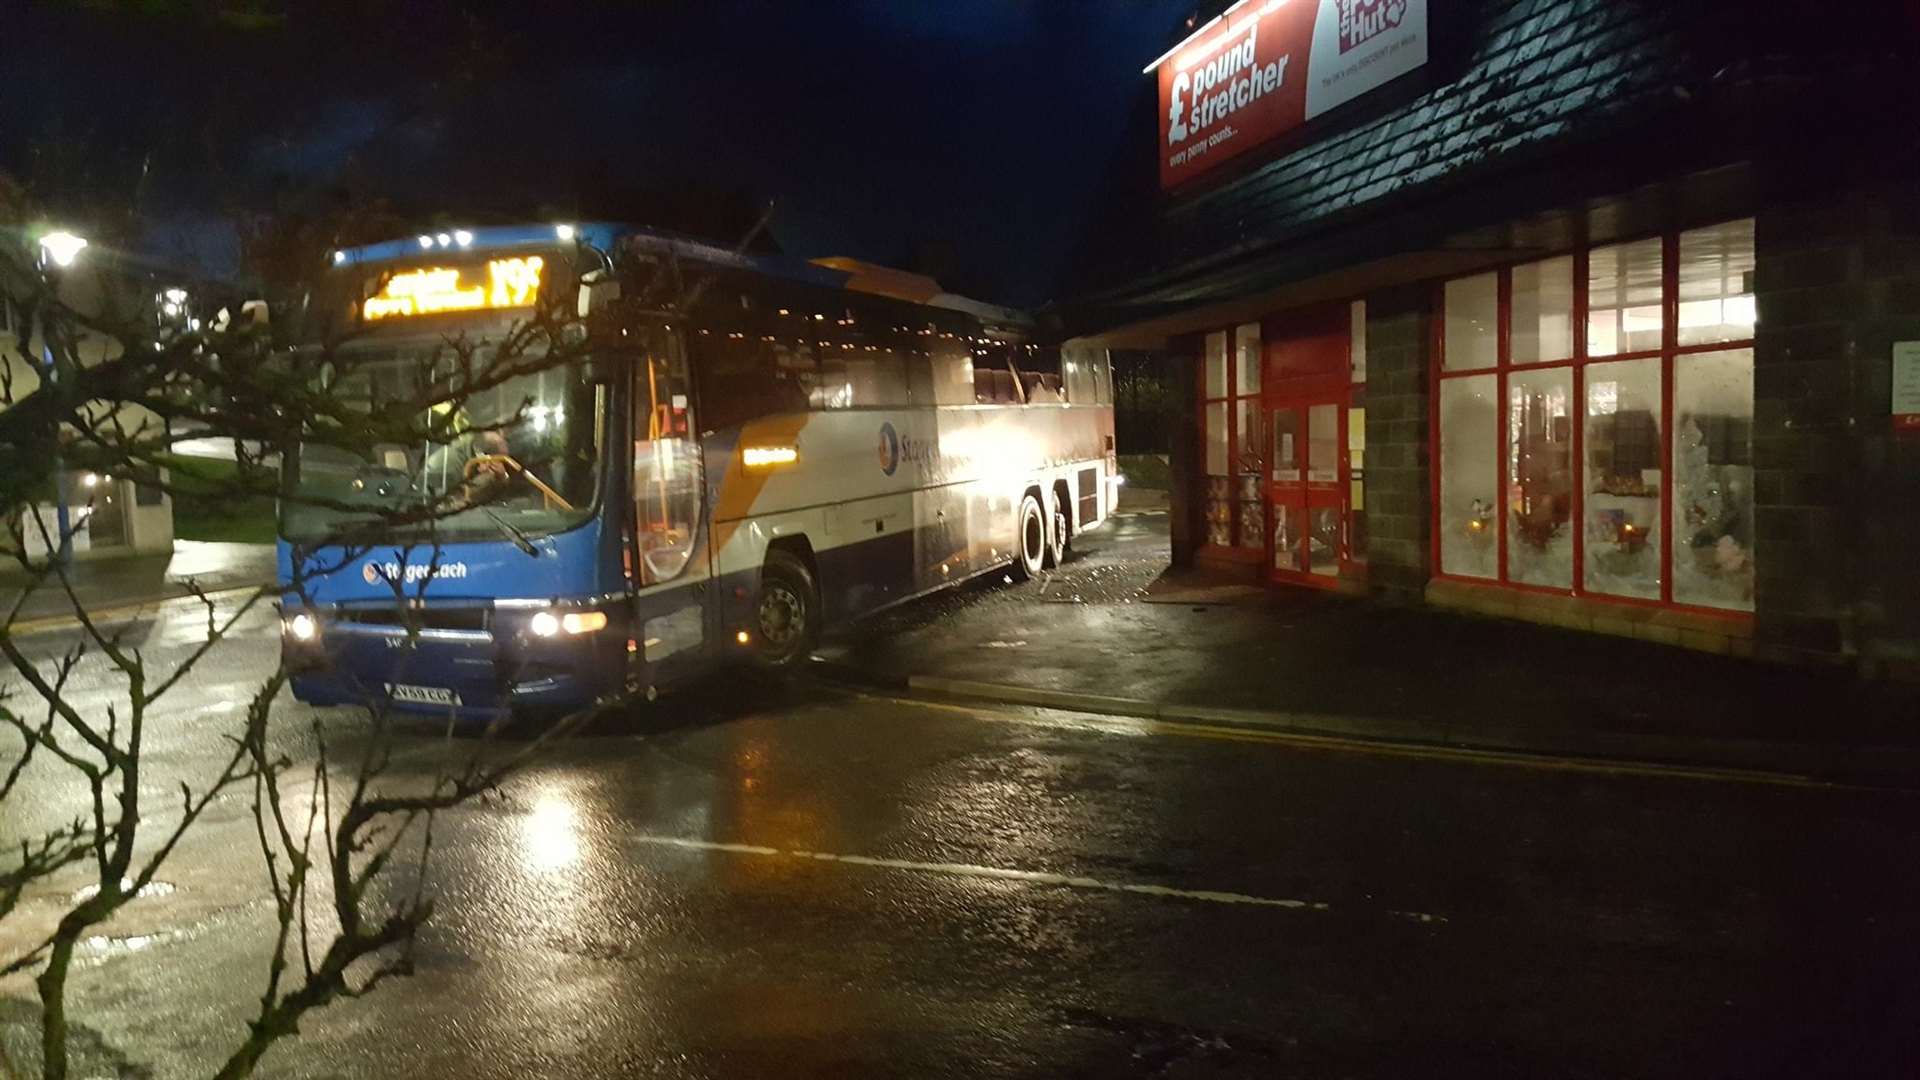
x=1284, y=423
x=1546, y=322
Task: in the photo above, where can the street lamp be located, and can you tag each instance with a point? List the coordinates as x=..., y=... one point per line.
x=58, y=249
x=61, y=247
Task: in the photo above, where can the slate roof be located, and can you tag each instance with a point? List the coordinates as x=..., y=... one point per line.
x=1509, y=83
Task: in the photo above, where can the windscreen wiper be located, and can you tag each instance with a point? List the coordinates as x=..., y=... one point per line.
x=514, y=534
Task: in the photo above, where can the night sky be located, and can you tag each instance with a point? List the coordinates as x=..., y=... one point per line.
x=971, y=139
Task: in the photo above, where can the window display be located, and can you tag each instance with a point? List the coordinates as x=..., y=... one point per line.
x=1713, y=479
x=1469, y=484
x=1230, y=416
x=1663, y=515
x=1623, y=478
x=1540, y=477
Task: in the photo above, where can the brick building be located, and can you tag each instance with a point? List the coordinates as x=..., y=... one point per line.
x=1587, y=312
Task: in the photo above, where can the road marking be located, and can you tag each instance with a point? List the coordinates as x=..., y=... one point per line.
x=1069, y=719
x=132, y=610
x=1030, y=877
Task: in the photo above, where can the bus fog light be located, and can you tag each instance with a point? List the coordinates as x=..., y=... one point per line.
x=583, y=622
x=302, y=627
x=544, y=624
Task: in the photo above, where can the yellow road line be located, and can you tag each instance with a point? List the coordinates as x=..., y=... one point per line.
x=1539, y=762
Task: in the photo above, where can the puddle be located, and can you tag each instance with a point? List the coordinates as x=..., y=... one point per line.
x=153, y=888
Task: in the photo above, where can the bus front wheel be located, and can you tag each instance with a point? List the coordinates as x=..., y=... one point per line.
x=786, y=615
x=1030, y=546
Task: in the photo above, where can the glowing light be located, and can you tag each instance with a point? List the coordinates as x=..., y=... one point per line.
x=550, y=833
x=741, y=637
x=583, y=622
x=760, y=457
x=302, y=627
x=564, y=232
x=426, y=242
x=544, y=624
x=62, y=247
x=339, y=257
x=89, y=480
x=462, y=237
x=511, y=283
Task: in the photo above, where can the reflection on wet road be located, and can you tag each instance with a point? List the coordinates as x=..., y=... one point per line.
x=798, y=881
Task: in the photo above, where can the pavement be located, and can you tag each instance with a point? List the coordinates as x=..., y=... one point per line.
x=114, y=585
x=1114, y=631
x=799, y=880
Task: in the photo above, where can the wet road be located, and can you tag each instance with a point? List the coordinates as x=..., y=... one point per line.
x=807, y=882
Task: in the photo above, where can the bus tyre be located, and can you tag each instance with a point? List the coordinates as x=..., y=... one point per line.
x=786, y=614
x=1057, y=539
x=1031, y=544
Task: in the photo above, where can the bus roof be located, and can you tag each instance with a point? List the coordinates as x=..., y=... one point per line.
x=851, y=275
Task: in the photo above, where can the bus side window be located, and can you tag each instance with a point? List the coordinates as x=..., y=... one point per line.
x=952, y=373
x=666, y=460
x=1081, y=364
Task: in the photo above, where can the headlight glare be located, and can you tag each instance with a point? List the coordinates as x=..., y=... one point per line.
x=302, y=627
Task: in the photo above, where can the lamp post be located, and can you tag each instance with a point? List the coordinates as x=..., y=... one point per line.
x=58, y=250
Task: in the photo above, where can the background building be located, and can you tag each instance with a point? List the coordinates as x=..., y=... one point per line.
x=1596, y=313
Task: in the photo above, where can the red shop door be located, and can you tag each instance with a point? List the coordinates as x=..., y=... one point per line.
x=1307, y=487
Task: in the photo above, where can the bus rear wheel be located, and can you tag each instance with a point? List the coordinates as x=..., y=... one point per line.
x=786, y=614
x=1031, y=543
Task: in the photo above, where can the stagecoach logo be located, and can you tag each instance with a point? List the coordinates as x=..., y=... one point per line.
x=896, y=448
x=378, y=573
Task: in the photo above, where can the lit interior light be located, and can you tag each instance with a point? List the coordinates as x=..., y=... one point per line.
x=89, y=480
x=583, y=622
x=339, y=257
x=544, y=624
x=564, y=232
x=760, y=457
x=302, y=627
x=462, y=237
x=426, y=242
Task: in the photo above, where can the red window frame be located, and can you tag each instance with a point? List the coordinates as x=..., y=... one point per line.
x=1667, y=353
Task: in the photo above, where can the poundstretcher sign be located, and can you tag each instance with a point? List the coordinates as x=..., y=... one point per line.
x=1264, y=67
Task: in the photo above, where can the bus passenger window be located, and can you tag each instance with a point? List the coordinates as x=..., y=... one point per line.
x=666, y=462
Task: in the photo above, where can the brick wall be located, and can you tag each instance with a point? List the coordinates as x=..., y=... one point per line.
x=1837, y=495
x=1398, y=491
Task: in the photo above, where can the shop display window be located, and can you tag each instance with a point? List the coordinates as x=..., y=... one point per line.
x=1540, y=477
x=1713, y=479
x=1230, y=415
x=1469, y=476
x=1623, y=473
x=1648, y=491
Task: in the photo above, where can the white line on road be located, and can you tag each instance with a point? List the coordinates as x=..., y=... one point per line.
x=1031, y=877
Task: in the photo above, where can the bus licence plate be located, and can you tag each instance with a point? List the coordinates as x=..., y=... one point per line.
x=422, y=695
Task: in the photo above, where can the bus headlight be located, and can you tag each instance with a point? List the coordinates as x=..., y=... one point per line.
x=302, y=628
x=548, y=624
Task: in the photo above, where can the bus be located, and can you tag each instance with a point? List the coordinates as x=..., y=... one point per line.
x=718, y=472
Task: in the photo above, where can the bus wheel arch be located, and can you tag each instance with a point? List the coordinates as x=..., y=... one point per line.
x=787, y=614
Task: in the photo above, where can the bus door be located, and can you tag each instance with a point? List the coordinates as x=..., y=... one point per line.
x=673, y=615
